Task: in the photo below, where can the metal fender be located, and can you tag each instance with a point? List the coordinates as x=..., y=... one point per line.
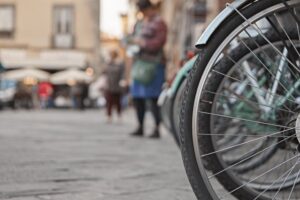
x=213, y=26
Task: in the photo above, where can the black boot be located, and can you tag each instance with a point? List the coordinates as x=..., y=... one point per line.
x=138, y=133
x=155, y=134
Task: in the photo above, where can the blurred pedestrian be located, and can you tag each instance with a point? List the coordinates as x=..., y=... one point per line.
x=45, y=91
x=148, y=67
x=76, y=94
x=23, y=97
x=113, y=92
x=84, y=95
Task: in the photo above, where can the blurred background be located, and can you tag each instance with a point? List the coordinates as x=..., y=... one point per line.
x=53, y=54
x=47, y=47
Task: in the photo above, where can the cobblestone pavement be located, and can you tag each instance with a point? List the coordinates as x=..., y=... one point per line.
x=72, y=155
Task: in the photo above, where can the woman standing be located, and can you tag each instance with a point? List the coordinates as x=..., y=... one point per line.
x=148, y=69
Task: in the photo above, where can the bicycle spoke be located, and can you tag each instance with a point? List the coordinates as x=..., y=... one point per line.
x=283, y=36
x=266, y=67
x=297, y=25
x=255, y=27
x=261, y=62
x=235, y=79
x=245, y=159
x=260, y=175
x=247, y=101
x=264, y=52
x=243, y=119
x=236, y=135
x=290, y=195
x=250, y=141
x=266, y=91
x=280, y=178
x=291, y=12
x=282, y=184
x=286, y=34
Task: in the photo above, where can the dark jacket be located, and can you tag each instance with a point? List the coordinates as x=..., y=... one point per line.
x=114, y=72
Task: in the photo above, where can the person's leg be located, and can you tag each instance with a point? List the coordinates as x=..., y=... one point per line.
x=140, y=108
x=114, y=101
x=81, y=103
x=119, y=104
x=109, y=104
x=156, y=114
x=155, y=111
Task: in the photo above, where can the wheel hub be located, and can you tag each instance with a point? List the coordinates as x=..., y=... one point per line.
x=297, y=128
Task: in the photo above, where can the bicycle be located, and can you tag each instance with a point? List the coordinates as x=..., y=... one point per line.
x=170, y=99
x=265, y=110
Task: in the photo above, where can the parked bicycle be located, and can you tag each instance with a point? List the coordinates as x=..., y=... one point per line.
x=170, y=100
x=240, y=118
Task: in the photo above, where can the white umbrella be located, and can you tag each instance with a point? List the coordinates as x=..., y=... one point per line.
x=96, y=88
x=21, y=74
x=70, y=75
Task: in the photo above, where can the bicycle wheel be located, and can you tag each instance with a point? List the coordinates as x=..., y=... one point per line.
x=175, y=111
x=267, y=64
x=165, y=111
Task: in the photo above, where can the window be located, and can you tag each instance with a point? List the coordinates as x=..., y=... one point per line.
x=200, y=11
x=7, y=21
x=63, y=26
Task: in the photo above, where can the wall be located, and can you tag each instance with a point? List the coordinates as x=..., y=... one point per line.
x=34, y=24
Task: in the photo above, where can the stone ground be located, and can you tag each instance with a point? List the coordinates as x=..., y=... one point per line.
x=73, y=155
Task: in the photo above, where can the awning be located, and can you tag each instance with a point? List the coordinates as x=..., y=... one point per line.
x=69, y=76
x=22, y=74
x=48, y=60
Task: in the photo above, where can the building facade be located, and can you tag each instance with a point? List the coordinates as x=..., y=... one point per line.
x=50, y=34
x=187, y=20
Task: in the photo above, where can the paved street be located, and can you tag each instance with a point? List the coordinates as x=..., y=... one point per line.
x=71, y=155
